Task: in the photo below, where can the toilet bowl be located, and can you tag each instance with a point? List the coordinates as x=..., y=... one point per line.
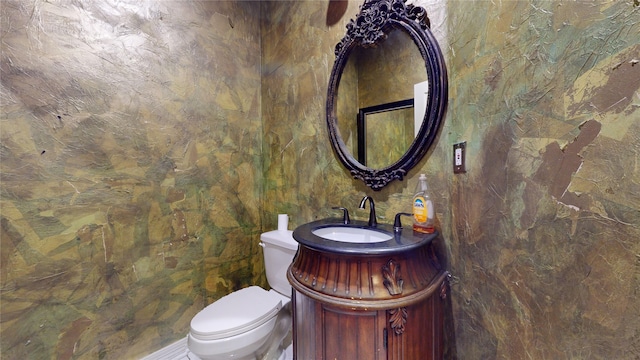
x=237, y=325
x=242, y=325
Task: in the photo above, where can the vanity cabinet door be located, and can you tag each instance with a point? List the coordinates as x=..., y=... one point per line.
x=421, y=337
x=325, y=332
x=338, y=333
x=360, y=333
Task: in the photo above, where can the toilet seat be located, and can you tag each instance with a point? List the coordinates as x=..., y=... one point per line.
x=236, y=313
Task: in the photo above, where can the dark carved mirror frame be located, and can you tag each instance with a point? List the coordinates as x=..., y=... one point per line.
x=370, y=27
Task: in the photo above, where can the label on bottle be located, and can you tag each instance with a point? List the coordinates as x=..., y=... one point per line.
x=420, y=213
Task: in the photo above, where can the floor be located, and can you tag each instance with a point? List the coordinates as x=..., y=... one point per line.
x=175, y=351
x=179, y=351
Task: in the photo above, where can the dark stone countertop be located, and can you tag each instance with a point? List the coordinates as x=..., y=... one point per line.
x=404, y=240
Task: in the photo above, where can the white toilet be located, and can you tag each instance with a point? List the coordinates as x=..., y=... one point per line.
x=242, y=325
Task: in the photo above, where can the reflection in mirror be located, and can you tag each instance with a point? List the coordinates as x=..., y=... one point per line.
x=379, y=75
x=347, y=105
x=398, y=118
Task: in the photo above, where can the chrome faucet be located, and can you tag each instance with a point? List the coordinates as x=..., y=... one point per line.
x=372, y=210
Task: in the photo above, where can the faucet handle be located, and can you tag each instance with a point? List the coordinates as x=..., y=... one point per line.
x=345, y=214
x=373, y=221
x=397, y=224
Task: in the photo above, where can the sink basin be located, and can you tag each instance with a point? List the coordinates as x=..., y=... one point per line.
x=351, y=234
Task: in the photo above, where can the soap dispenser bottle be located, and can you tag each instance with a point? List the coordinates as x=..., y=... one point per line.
x=423, y=215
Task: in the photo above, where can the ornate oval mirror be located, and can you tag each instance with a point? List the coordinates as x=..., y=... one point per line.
x=387, y=92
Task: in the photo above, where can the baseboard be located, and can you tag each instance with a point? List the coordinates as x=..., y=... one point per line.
x=176, y=350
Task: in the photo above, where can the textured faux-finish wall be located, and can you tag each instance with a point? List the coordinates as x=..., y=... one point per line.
x=545, y=227
x=536, y=272
x=543, y=231
x=131, y=147
x=302, y=176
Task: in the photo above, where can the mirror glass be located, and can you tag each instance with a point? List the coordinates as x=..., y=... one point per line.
x=388, y=73
x=382, y=148
x=385, y=132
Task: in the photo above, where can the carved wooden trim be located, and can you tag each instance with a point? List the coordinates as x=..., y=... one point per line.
x=397, y=319
x=392, y=278
x=331, y=278
x=443, y=289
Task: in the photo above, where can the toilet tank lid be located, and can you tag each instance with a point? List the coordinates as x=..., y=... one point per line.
x=281, y=238
x=236, y=313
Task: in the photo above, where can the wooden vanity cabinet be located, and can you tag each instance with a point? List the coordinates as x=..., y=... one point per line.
x=383, y=306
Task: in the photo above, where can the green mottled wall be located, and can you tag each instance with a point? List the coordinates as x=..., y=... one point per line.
x=543, y=231
x=145, y=145
x=302, y=177
x=545, y=227
x=131, y=154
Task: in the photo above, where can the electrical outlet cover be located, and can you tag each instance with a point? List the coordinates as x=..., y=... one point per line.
x=459, y=154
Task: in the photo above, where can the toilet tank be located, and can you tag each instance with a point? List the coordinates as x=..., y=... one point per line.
x=279, y=248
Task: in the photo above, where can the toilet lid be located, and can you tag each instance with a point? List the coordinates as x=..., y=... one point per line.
x=235, y=313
